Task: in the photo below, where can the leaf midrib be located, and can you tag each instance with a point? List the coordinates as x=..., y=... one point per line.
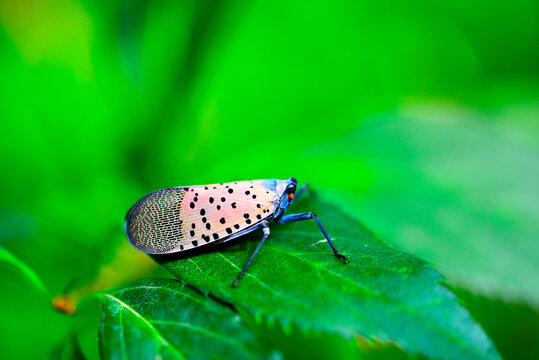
x=132, y=288
x=156, y=332
x=213, y=334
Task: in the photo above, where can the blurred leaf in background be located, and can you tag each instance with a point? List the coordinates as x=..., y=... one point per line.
x=446, y=184
x=419, y=119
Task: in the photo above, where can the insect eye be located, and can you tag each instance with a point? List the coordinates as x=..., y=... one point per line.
x=290, y=190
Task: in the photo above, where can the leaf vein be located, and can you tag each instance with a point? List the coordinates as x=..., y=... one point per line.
x=150, y=326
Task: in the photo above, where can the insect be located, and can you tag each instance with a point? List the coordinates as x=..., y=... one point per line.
x=181, y=218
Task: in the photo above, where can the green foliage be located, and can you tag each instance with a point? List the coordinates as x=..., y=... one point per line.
x=164, y=318
x=382, y=294
x=8, y=259
x=429, y=173
x=417, y=119
x=497, y=317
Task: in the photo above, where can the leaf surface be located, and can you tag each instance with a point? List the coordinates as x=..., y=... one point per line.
x=162, y=318
x=455, y=186
x=295, y=279
x=8, y=259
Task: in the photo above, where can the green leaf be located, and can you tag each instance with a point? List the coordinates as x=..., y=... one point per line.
x=512, y=327
x=452, y=185
x=382, y=294
x=8, y=259
x=163, y=318
x=68, y=350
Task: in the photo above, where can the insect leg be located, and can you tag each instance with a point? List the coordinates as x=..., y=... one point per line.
x=307, y=216
x=266, y=231
x=301, y=190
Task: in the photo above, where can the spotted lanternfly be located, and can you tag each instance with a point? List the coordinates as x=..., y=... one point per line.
x=181, y=218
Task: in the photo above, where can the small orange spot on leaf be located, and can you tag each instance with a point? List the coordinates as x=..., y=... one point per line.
x=64, y=304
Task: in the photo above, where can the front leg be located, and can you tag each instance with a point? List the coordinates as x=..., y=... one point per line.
x=266, y=234
x=307, y=216
x=301, y=190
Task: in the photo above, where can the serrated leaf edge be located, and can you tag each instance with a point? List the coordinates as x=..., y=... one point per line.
x=286, y=323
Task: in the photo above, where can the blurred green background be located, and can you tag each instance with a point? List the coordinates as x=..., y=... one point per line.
x=421, y=119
